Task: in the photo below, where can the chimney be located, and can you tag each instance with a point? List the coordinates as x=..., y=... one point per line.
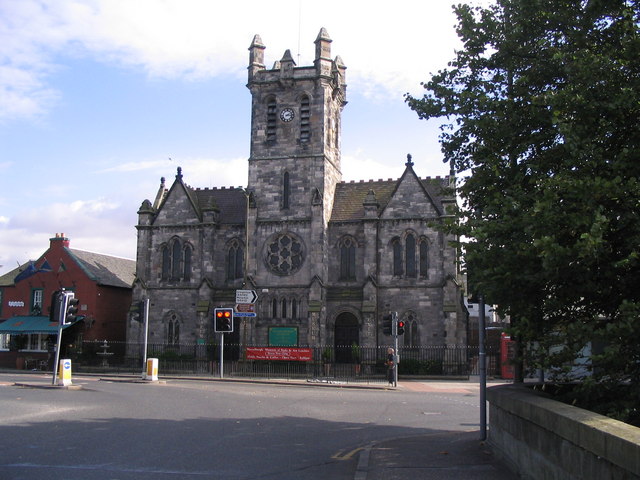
x=59, y=241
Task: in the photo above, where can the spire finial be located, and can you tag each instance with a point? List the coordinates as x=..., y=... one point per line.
x=179, y=175
x=409, y=161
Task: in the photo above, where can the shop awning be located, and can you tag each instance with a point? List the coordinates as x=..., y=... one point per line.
x=20, y=325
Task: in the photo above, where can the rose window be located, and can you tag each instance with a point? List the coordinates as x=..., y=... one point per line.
x=284, y=254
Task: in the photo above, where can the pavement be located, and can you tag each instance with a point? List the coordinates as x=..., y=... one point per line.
x=441, y=455
x=444, y=455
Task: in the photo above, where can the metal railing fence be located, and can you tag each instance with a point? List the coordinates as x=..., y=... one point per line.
x=328, y=363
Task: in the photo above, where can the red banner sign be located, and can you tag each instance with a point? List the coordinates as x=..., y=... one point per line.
x=280, y=353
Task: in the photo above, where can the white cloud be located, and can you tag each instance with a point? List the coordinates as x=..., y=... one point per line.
x=99, y=225
x=353, y=168
x=388, y=49
x=202, y=171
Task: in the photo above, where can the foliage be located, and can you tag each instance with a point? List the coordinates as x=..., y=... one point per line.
x=542, y=111
x=615, y=401
x=326, y=354
x=172, y=356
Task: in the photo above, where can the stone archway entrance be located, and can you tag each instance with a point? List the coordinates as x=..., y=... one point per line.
x=347, y=332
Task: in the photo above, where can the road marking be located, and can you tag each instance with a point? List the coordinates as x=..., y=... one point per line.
x=342, y=455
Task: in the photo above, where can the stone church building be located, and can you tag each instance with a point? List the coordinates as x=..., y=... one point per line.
x=327, y=258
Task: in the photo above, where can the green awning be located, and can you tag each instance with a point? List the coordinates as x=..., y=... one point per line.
x=20, y=325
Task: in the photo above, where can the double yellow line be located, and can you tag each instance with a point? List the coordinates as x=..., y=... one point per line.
x=346, y=455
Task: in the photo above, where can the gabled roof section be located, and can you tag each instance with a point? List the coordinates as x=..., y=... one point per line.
x=7, y=280
x=408, y=199
x=178, y=198
x=349, y=198
x=105, y=269
x=407, y=195
x=102, y=269
x=229, y=203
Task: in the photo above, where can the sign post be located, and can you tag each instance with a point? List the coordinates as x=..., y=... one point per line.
x=145, y=316
x=222, y=355
x=57, y=359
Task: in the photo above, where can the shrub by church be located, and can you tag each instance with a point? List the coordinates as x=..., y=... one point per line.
x=327, y=258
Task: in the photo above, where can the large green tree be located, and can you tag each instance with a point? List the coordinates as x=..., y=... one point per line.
x=541, y=110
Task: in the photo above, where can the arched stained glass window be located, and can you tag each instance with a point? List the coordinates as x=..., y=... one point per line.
x=424, y=259
x=348, y=259
x=410, y=255
x=187, y=262
x=397, y=257
x=176, y=257
x=235, y=260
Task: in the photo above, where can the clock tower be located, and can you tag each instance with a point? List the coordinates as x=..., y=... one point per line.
x=294, y=163
x=295, y=131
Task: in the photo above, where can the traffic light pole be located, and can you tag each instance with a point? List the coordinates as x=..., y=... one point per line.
x=221, y=355
x=145, y=316
x=396, y=357
x=57, y=308
x=396, y=360
x=482, y=360
x=57, y=357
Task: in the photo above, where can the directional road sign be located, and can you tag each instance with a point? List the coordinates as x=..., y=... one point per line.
x=246, y=296
x=246, y=307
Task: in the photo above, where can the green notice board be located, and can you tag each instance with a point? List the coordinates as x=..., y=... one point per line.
x=283, y=336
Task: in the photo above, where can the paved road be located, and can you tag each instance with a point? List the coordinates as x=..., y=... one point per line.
x=193, y=429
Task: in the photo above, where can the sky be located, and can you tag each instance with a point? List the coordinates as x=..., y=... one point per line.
x=99, y=99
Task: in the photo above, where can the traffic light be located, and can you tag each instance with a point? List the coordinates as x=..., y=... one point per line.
x=137, y=311
x=400, y=327
x=68, y=308
x=54, y=310
x=223, y=320
x=387, y=324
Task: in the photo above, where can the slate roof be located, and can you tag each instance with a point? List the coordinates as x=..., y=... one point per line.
x=349, y=196
x=231, y=202
x=105, y=269
x=6, y=280
x=102, y=269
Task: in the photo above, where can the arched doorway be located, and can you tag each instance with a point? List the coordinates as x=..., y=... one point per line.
x=347, y=332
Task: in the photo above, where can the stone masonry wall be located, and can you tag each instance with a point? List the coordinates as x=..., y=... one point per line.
x=544, y=439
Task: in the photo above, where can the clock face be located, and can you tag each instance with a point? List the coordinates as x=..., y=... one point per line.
x=286, y=115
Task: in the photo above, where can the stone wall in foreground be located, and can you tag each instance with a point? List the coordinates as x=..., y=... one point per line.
x=544, y=439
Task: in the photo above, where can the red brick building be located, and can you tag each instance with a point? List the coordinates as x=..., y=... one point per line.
x=102, y=284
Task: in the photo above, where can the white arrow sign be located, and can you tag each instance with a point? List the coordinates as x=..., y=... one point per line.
x=246, y=296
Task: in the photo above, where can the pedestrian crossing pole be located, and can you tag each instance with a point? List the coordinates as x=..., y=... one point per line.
x=396, y=356
x=221, y=355
x=482, y=359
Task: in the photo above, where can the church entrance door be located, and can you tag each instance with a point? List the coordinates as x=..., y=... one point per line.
x=347, y=332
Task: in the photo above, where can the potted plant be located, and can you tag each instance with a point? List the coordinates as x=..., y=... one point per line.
x=326, y=361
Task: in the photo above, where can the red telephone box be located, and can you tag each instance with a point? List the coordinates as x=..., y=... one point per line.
x=507, y=355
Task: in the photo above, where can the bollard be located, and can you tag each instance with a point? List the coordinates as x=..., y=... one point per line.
x=64, y=372
x=152, y=369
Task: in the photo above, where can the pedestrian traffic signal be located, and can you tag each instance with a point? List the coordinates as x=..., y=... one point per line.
x=387, y=324
x=223, y=320
x=400, y=328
